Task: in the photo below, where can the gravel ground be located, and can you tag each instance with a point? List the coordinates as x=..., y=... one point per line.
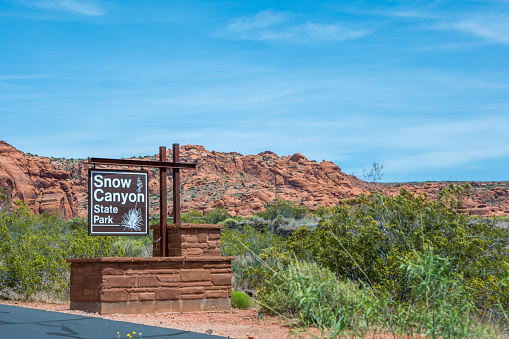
x=240, y=324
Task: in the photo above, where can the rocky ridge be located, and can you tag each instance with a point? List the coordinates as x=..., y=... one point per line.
x=487, y=199
x=243, y=184
x=37, y=182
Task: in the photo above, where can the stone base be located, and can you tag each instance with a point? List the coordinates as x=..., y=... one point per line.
x=194, y=278
x=147, y=285
x=137, y=307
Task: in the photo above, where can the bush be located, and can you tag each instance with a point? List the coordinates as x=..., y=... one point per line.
x=241, y=300
x=134, y=246
x=215, y=216
x=246, y=240
x=34, y=249
x=303, y=287
x=368, y=241
x=286, y=209
x=246, y=243
x=230, y=223
x=439, y=307
x=444, y=307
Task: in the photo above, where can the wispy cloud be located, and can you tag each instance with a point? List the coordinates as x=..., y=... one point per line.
x=83, y=7
x=279, y=26
x=488, y=27
x=494, y=30
x=401, y=13
x=448, y=145
x=261, y=20
x=12, y=81
x=23, y=76
x=445, y=159
x=410, y=14
x=450, y=46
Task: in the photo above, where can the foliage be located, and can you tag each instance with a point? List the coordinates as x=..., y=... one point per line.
x=445, y=308
x=368, y=241
x=241, y=300
x=213, y=217
x=247, y=240
x=247, y=243
x=454, y=195
x=286, y=209
x=305, y=289
x=440, y=306
x=34, y=249
x=3, y=197
x=134, y=246
x=403, y=264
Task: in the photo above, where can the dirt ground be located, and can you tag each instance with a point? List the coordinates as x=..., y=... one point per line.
x=239, y=324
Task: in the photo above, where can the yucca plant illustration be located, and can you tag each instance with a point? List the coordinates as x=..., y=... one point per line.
x=133, y=220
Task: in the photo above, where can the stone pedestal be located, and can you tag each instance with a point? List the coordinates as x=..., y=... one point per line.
x=190, y=240
x=193, y=278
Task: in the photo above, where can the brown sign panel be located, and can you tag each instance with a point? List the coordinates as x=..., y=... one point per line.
x=117, y=202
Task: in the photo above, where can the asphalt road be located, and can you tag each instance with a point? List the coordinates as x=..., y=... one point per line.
x=26, y=323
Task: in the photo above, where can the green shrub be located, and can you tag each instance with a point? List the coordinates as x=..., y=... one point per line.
x=301, y=287
x=215, y=216
x=439, y=305
x=309, y=222
x=276, y=301
x=34, y=249
x=134, y=246
x=246, y=243
x=368, y=240
x=3, y=200
x=443, y=307
x=246, y=240
x=230, y=223
x=286, y=209
x=241, y=300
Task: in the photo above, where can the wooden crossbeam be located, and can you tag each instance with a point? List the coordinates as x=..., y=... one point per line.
x=140, y=163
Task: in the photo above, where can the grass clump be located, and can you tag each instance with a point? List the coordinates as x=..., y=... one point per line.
x=247, y=243
x=439, y=306
x=241, y=300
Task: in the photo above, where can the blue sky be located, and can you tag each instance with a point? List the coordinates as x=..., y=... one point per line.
x=421, y=87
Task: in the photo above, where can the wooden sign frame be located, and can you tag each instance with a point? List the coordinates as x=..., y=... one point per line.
x=163, y=165
x=119, y=194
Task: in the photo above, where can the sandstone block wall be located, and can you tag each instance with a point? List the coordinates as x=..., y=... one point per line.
x=194, y=277
x=148, y=285
x=190, y=240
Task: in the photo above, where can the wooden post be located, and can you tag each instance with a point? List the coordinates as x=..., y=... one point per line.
x=176, y=186
x=163, y=202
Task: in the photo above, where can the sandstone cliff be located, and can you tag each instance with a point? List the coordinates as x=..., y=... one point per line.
x=36, y=182
x=243, y=184
x=487, y=199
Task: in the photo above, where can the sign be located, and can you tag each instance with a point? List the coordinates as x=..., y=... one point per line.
x=117, y=202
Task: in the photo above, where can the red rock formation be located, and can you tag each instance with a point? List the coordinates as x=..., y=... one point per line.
x=487, y=199
x=34, y=181
x=241, y=184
